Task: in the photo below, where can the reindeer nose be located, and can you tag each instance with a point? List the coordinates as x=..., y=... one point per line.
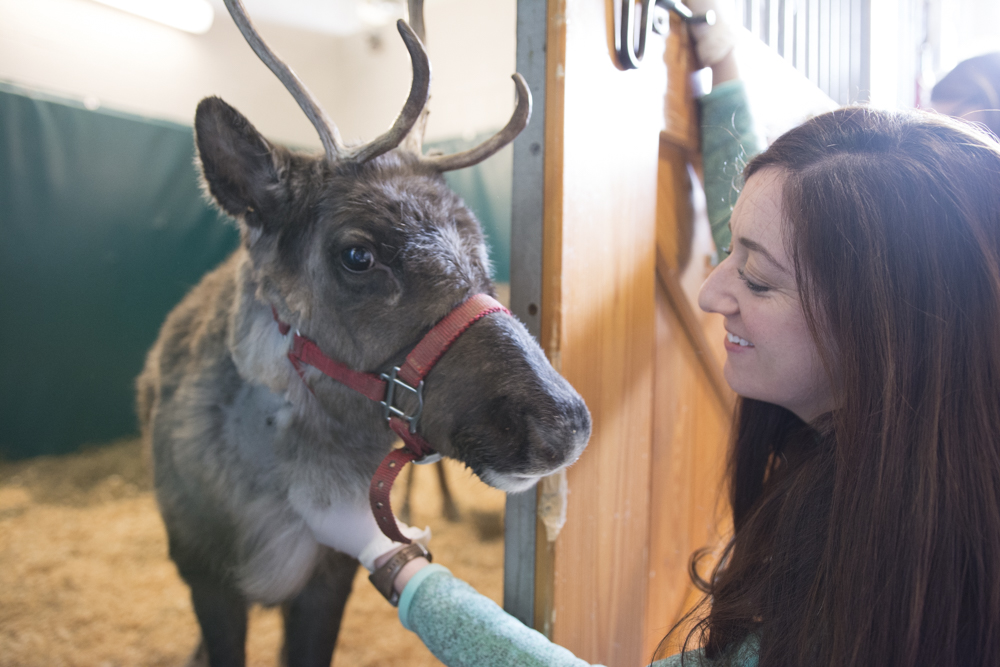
x=559, y=439
x=544, y=451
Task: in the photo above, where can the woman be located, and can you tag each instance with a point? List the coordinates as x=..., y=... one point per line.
x=862, y=304
x=865, y=476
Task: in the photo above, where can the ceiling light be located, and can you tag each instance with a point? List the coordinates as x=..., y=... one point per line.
x=189, y=15
x=374, y=13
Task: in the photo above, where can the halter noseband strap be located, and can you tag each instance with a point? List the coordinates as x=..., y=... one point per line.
x=383, y=388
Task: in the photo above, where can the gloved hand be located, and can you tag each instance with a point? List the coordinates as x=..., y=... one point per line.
x=348, y=526
x=714, y=42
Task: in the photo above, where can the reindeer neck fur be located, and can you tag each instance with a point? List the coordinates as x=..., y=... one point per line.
x=335, y=437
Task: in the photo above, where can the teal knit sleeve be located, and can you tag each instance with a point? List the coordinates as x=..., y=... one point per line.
x=463, y=628
x=728, y=141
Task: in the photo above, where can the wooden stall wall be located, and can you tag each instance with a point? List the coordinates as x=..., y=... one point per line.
x=692, y=402
x=618, y=322
x=602, y=126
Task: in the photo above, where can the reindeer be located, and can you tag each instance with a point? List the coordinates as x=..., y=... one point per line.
x=359, y=251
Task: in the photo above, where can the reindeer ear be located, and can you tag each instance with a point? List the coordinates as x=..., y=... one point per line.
x=237, y=162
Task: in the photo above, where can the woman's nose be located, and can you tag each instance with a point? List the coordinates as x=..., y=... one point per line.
x=716, y=294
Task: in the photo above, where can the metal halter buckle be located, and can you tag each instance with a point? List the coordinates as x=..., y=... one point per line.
x=391, y=382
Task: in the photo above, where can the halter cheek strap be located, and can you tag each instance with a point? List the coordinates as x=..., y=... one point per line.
x=384, y=388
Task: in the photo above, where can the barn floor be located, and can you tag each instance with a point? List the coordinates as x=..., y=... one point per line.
x=85, y=579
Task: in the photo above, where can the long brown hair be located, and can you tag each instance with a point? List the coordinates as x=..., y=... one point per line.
x=872, y=537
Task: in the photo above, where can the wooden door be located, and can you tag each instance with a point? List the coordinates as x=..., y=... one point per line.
x=616, y=273
x=693, y=403
x=602, y=129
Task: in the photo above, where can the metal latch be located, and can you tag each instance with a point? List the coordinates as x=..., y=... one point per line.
x=630, y=38
x=392, y=381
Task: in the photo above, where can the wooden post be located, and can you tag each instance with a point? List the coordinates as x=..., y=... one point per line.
x=602, y=138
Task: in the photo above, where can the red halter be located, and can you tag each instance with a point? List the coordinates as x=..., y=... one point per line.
x=382, y=388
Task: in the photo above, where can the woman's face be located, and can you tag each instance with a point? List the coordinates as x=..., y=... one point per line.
x=770, y=354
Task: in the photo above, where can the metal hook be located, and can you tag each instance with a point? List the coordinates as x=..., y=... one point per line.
x=682, y=10
x=629, y=53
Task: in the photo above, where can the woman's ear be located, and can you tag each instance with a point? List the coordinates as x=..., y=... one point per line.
x=238, y=165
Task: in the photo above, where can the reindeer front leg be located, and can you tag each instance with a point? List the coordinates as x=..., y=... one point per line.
x=222, y=615
x=312, y=618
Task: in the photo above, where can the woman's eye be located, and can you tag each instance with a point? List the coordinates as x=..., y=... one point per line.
x=752, y=286
x=357, y=259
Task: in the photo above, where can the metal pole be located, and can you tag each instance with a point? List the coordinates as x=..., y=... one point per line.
x=526, y=288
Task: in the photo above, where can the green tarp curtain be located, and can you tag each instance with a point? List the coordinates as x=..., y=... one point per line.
x=103, y=229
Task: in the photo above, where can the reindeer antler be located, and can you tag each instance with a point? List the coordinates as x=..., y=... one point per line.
x=518, y=121
x=420, y=91
x=327, y=130
x=415, y=14
x=414, y=140
x=408, y=128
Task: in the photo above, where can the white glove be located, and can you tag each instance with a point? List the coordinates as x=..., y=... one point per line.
x=714, y=42
x=348, y=526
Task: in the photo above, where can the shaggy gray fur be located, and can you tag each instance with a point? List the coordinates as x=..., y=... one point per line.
x=235, y=431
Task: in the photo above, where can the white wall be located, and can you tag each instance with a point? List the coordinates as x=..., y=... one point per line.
x=967, y=28
x=955, y=30
x=80, y=49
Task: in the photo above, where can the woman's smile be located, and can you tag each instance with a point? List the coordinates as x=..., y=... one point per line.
x=732, y=340
x=770, y=351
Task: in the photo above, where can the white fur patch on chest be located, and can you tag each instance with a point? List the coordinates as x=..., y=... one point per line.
x=261, y=354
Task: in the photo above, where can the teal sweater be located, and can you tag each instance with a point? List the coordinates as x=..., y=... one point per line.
x=728, y=141
x=463, y=628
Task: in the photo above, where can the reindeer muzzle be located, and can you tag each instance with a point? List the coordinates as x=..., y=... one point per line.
x=385, y=388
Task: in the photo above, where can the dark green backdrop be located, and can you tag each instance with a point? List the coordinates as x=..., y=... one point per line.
x=102, y=230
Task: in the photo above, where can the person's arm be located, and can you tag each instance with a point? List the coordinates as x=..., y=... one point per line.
x=728, y=139
x=725, y=69
x=459, y=626
x=464, y=628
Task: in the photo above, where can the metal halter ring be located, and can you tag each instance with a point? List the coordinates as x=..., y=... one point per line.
x=391, y=382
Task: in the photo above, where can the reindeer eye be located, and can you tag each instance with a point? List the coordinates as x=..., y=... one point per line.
x=357, y=258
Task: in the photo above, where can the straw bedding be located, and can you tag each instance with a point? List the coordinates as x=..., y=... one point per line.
x=85, y=578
